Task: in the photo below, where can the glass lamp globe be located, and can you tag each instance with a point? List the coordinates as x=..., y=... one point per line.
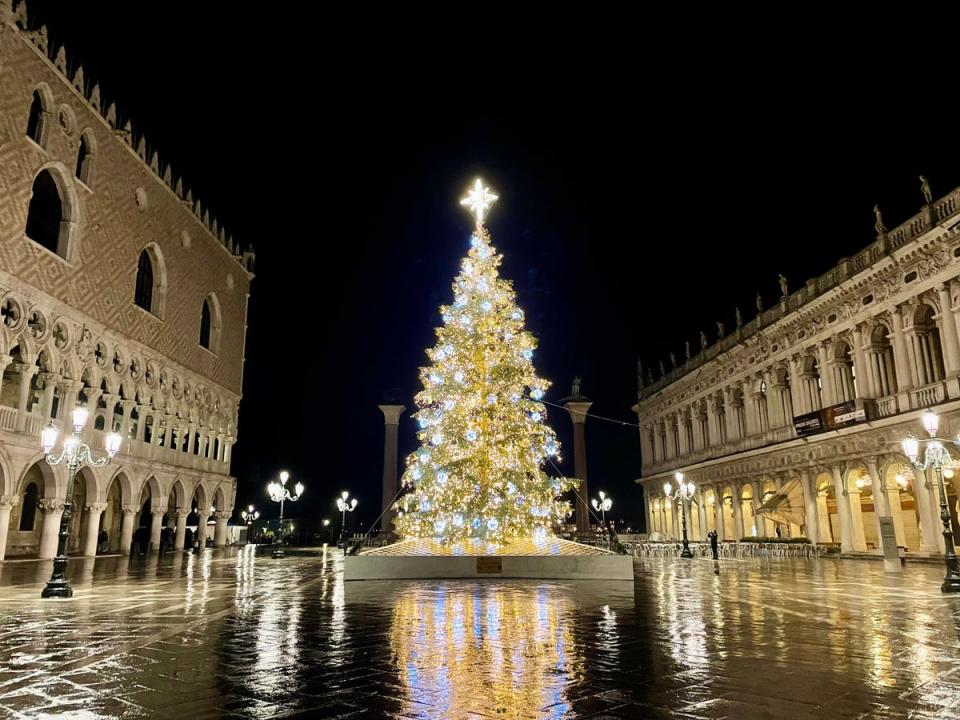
x=113, y=444
x=80, y=415
x=48, y=438
x=667, y=488
x=931, y=422
x=911, y=448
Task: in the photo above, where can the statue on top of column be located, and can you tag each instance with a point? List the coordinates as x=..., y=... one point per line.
x=673, y=360
x=739, y=317
x=703, y=340
x=783, y=286
x=878, y=221
x=649, y=376
x=759, y=303
x=575, y=388
x=663, y=371
x=686, y=349
x=719, y=329
x=925, y=189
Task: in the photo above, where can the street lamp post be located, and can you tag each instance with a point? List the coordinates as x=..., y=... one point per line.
x=683, y=494
x=279, y=493
x=74, y=454
x=344, y=505
x=249, y=515
x=602, y=506
x=936, y=455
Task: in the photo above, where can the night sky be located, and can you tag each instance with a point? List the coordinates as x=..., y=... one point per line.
x=644, y=193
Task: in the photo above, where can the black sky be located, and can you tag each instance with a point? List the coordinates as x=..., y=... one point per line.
x=651, y=178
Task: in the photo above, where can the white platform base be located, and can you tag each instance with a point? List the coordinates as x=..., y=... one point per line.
x=554, y=567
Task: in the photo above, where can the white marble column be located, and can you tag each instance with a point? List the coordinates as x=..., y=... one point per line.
x=220, y=533
x=93, y=512
x=828, y=391
x=843, y=510
x=50, y=531
x=27, y=371
x=948, y=327
x=901, y=358
x=180, y=535
x=862, y=373
x=7, y=503
x=128, y=514
x=156, y=527
x=49, y=382
x=811, y=514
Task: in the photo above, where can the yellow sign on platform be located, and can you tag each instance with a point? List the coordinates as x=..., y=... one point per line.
x=489, y=565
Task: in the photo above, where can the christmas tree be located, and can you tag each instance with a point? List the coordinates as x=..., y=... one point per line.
x=478, y=473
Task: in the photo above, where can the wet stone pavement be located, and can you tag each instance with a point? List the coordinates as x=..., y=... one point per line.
x=234, y=635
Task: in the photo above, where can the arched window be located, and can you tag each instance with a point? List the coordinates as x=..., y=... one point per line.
x=143, y=294
x=36, y=121
x=150, y=288
x=205, y=325
x=881, y=362
x=28, y=512
x=927, y=347
x=85, y=158
x=210, y=324
x=48, y=217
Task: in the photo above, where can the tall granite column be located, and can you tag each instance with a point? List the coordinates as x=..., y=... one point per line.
x=578, y=406
x=391, y=423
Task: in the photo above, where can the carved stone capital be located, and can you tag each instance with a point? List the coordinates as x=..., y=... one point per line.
x=95, y=507
x=51, y=505
x=224, y=515
x=9, y=501
x=129, y=509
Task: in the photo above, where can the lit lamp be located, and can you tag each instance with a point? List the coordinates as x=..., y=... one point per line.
x=344, y=505
x=249, y=515
x=279, y=493
x=683, y=495
x=74, y=454
x=935, y=455
x=602, y=506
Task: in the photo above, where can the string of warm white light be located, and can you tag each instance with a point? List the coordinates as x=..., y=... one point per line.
x=482, y=424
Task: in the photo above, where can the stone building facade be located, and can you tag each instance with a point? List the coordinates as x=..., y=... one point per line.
x=118, y=292
x=814, y=395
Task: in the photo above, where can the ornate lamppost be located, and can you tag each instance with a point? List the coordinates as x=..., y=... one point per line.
x=602, y=506
x=344, y=505
x=683, y=494
x=74, y=454
x=936, y=455
x=279, y=493
x=249, y=515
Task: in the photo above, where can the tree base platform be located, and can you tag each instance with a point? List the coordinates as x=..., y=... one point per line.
x=550, y=559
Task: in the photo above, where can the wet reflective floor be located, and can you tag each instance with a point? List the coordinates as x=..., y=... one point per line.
x=241, y=636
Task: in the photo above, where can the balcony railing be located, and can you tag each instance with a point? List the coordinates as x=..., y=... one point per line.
x=888, y=406
x=131, y=447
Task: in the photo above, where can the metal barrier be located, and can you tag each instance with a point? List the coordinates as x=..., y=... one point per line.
x=727, y=549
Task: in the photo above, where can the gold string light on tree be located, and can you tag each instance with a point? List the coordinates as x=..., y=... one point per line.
x=484, y=439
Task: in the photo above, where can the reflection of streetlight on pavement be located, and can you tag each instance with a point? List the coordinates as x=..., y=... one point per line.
x=936, y=454
x=279, y=493
x=344, y=505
